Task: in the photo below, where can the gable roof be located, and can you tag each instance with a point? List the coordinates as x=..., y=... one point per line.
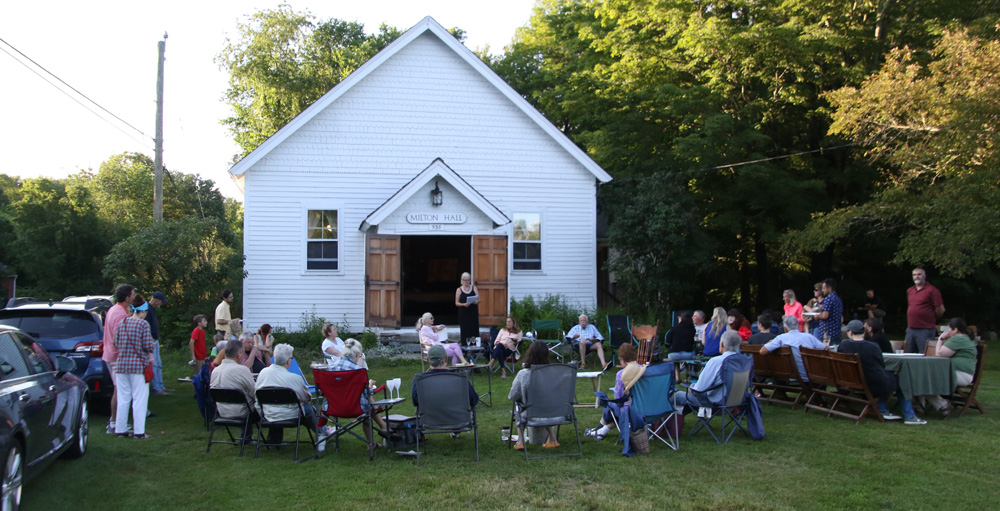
x=426, y=25
x=437, y=168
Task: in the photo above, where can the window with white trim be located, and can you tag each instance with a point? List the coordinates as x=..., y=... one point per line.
x=321, y=240
x=527, y=241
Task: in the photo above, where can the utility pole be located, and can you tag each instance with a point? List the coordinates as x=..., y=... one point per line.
x=158, y=158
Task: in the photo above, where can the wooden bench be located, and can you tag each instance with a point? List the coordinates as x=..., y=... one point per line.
x=776, y=376
x=837, y=385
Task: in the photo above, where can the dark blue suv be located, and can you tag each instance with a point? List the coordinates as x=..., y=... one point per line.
x=70, y=330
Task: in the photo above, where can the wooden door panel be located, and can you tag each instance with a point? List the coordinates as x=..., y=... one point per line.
x=490, y=270
x=382, y=295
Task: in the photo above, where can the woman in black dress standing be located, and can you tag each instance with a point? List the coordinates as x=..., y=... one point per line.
x=468, y=313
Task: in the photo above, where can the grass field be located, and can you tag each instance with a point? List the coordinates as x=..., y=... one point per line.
x=807, y=461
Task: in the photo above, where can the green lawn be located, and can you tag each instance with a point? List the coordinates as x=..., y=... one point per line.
x=807, y=462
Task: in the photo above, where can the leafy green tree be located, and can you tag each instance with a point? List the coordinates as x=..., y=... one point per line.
x=282, y=61
x=933, y=129
x=190, y=259
x=60, y=242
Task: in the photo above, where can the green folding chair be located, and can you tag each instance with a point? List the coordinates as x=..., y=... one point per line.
x=554, y=336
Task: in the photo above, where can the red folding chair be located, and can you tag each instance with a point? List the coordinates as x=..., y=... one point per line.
x=342, y=392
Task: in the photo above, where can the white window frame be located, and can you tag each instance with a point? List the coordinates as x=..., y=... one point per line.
x=304, y=230
x=540, y=242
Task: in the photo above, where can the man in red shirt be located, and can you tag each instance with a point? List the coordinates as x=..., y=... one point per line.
x=924, y=307
x=114, y=317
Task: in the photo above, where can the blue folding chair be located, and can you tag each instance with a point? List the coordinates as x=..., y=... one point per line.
x=294, y=368
x=737, y=374
x=651, y=402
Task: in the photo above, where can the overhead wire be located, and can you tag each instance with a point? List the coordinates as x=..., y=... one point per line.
x=29, y=68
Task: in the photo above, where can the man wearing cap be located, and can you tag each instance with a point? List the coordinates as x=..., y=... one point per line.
x=157, y=300
x=795, y=340
x=881, y=382
x=439, y=364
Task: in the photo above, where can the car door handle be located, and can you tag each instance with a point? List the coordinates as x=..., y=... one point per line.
x=22, y=397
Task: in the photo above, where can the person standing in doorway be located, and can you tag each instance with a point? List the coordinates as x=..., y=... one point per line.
x=467, y=301
x=157, y=300
x=924, y=307
x=223, y=317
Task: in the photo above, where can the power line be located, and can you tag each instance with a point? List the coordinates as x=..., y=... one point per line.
x=74, y=90
x=728, y=165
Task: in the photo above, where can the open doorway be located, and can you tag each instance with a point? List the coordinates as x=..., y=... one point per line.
x=432, y=267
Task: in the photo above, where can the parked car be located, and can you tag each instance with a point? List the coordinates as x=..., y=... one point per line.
x=98, y=304
x=43, y=412
x=70, y=330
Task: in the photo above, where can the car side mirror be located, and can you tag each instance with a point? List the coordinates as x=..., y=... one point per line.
x=64, y=365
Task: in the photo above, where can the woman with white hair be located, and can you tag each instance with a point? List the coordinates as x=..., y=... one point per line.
x=714, y=331
x=467, y=301
x=430, y=335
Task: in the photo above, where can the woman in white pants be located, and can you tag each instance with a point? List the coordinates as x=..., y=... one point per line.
x=134, y=344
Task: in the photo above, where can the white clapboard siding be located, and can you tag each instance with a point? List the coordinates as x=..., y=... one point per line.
x=423, y=102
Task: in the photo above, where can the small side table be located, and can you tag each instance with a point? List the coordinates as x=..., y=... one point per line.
x=595, y=380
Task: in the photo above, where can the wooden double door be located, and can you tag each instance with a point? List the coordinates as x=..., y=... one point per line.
x=384, y=289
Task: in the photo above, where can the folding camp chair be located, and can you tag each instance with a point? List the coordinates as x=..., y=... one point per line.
x=550, y=326
x=234, y=397
x=651, y=402
x=511, y=358
x=965, y=397
x=548, y=401
x=737, y=373
x=619, y=333
x=443, y=406
x=648, y=403
x=342, y=392
x=269, y=398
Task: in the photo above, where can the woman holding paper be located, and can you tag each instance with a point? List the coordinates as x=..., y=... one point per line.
x=467, y=301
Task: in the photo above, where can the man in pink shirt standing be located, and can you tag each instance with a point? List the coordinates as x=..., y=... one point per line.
x=116, y=314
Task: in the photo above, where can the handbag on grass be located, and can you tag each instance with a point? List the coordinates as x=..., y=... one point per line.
x=148, y=372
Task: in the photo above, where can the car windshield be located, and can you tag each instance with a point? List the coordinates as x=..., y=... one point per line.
x=51, y=324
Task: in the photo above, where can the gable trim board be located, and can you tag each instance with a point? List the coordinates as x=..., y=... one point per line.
x=426, y=25
x=437, y=169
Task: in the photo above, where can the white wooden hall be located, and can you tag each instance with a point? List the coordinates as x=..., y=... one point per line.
x=420, y=165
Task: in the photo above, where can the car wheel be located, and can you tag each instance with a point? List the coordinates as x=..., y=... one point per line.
x=13, y=476
x=82, y=435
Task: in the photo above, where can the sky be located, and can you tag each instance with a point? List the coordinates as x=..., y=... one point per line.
x=107, y=50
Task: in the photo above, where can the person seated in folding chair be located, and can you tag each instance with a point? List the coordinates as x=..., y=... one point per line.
x=711, y=376
x=430, y=335
x=881, y=382
x=278, y=375
x=956, y=344
x=352, y=359
x=505, y=344
x=231, y=374
x=624, y=381
x=538, y=354
x=585, y=337
x=438, y=360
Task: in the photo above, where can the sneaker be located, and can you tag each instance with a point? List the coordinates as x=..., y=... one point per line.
x=701, y=412
x=915, y=421
x=111, y=428
x=186, y=378
x=889, y=416
x=321, y=446
x=454, y=435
